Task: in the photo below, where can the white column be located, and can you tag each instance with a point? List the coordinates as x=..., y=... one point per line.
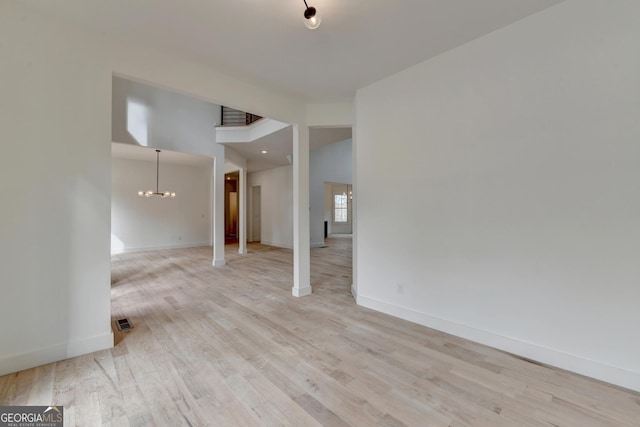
x=218, y=210
x=242, y=220
x=301, y=239
x=354, y=211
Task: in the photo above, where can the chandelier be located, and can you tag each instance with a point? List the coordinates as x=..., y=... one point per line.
x=150, y=193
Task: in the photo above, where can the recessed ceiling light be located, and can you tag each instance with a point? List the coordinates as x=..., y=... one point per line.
x=264, y=151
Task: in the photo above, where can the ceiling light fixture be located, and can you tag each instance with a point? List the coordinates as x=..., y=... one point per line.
x=150, y=193
x=264, y=151
x=311, y=17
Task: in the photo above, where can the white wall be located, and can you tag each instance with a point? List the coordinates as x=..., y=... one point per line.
x=140, y=223
x=56, y=173
x=276, y=186
x=152, y=117
x=55, y=124
x=519, y=223
x=329, y=163
x=330, y=114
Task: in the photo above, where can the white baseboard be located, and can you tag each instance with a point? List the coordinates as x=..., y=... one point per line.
x=161, y=247
x=18, y=362
x=570, y=362
x=301, y=292
x=277, y=245
x=354, y=292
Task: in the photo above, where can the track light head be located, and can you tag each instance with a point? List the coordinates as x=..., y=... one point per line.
x=311, y=17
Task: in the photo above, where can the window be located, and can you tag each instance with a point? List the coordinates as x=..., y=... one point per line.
x=340, y=208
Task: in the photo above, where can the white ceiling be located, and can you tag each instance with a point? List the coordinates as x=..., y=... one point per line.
x=280, y=144
x=358, y=43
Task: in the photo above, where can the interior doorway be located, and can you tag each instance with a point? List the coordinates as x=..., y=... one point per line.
x=256, y=213
x=231, y=207
x=338, y=208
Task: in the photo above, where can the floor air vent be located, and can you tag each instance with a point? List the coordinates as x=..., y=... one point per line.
x=124, y=324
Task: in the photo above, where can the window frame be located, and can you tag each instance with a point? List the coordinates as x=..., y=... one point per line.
x=345, y=209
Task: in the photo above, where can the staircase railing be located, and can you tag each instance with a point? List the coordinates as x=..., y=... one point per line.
x=232, y=117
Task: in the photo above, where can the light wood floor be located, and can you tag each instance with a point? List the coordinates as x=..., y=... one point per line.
x=231, y=347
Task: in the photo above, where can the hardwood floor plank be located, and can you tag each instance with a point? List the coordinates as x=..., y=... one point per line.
x=318, y=411
x=41, y=385
x=230, y=346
